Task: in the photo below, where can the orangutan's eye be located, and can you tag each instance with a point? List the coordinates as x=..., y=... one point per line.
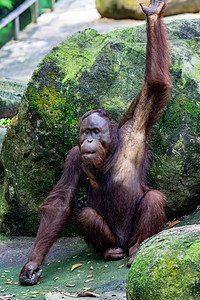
x=96, y=130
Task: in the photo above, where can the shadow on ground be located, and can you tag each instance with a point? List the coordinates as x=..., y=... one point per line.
x=107, y=279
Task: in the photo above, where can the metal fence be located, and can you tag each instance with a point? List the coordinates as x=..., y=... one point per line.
x=14, y=15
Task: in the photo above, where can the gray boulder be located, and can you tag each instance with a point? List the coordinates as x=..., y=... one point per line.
x=106, y=71
x=120, y=9
x=10, y=95
x=167, y=266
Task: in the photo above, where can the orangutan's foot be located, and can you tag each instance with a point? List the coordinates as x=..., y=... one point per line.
x=113, y=254
x=132, y=254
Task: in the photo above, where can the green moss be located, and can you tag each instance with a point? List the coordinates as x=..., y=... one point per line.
x=167, y=266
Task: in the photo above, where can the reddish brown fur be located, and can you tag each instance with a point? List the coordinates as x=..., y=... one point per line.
x=121, y=210
x=150, y=208
x=95, y=230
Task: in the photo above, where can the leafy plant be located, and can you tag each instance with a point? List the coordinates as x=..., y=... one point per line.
x=6, y=4
x=4, y=122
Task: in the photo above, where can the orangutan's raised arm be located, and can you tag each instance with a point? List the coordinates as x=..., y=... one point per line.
x=155, y=92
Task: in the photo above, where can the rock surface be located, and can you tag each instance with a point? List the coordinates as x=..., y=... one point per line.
x=120, y=9
x=106, y=71
x=167, y=266
x=10, y=95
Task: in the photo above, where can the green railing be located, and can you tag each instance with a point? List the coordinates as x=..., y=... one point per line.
x=15, y=14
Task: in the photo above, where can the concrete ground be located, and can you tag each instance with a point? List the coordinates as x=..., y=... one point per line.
x=94, y=275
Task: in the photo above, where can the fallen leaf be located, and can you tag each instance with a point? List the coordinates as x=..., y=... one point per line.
x=81, y=271
x=88, y=280
x=120, y=266
x=75, y=266
x=88, y=250
x=56, y=278
x=8, y=282
x=89, y=276
x=172, y=224
x=70, y=285
x=106, y=266
x=88, y=294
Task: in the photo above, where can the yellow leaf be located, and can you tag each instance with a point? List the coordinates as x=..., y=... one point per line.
x=75, y=266
x=56, y=278
x=172, y=224
x=120, y=266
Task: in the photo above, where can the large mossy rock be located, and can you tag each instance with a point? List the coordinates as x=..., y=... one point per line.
x=90, y=71
x=167, y=266
x=120, y=9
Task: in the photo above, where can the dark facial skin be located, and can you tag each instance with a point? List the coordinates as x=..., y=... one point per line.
x=94, y=134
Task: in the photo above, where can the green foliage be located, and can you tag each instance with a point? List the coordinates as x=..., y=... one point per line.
x=4, y=122
x=6, y=4
x=3, y=236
